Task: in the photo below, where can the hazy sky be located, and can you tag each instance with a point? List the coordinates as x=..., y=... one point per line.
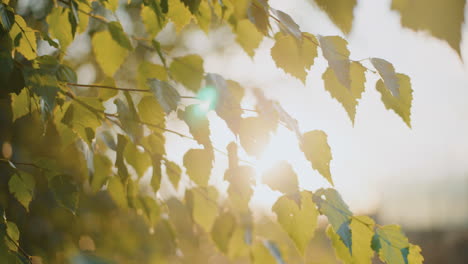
x=380, y=153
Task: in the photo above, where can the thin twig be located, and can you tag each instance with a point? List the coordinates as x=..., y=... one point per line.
x=108, y=87
x=20, y=249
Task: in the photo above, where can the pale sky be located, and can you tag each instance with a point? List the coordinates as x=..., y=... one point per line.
x=380, y=153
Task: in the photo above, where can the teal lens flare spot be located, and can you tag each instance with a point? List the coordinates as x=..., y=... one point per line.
x=208, y=97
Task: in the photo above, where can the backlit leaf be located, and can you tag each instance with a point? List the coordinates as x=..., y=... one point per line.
x=391, y=244
x=21, y=104
x=198, y=163
x=287, y=24
x=102, y=171
x=335, y=51
x=203, y=202
x=117, y=191
x=362, y=233
x=119, y=35
x=222, y=231
x=60, y=27
x=150, y=111
x=414, y=256
x=348, y=98
x=21, y=185
x=151, y=22
x=402, y=104
x=14, y=234
x=442, y=19
x=294, y=56
x=109, y=54
x=254, y=135
x=27, y=39
x=281, y=177
x=148, y=70
x=241, y=180
x=248, y=36
x=179, y=14
x=315, y=146
x=298, y=220
x=198, y=124
x=266, y=252
x=337, y=212
x=173, y=171
x=167, y=96
x=84, y=117
x=188, y=70
x=340, y=12
x=139, y=160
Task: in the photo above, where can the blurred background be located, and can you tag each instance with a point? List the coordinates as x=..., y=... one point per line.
x=416, y=177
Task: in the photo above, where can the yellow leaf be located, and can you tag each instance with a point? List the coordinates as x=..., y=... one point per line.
x=117, y=191
x=203, y=201
x=27, y=43
x=248, y=36
x=112, y=5
x=347, y=97
x=188, y=70
x=414, y=256
x=340, y=12
x=150, y=111
x=59, y=27
x=402, y=104
x=443, y=19
x=335, y=51
x=179, y=14
x=173, y=171
x=299, y=221
x=204, y=16
x=21, y=104
x=254, y=135
x=151, y=21
x=281, y=177
x=316, y=149
x=294, y=56
x=223, y=230
x=199, y=163
x=109, y=54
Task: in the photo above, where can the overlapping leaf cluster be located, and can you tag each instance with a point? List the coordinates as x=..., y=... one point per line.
x=75, y=179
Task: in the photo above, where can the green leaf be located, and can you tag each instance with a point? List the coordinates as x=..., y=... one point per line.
x=248, y=37
x=27, y=39
x=14, y=234
x=223, y=230
x=174, y=172
x=388, y=75
x=298, y=220
x=119, y=35
x=402, y=104
x=44, y=84
x=335, y=51
x=198, y=163
x=139, y=160
x=340, y=12
x=84, y=116
x=204, y=205
x=198, y=124
x=109, y=54
x=21, y=104
x=167, y=96
x=254, y=135
x=179, y=14
x=392, y=242
x=294, y=56
x=65, y=191
x=21, y=185
x=148, y=70
x=122, y=170
x=150, y=111
x=188, y=70
x=60, y=27
x=157, y=174
x=7, y=17
x=348, y=98
x=102, y=171
x=117, y=191
x=334, y=208
x=281, y=177
x=362, y=233
x=442, y=19
x=315, y=146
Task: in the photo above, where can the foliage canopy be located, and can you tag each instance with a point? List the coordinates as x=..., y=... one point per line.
x=75, y=156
